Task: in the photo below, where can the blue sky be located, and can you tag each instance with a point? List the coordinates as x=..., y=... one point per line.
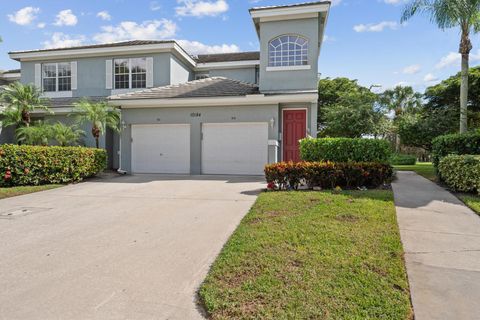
x=364, y=39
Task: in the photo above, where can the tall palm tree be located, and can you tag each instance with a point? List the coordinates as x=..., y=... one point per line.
x=400, y=100
x=464, y=14
x=99, y=114
x=20, y=100
x=66, y=135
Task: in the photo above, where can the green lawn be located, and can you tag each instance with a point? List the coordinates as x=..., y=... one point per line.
x=16, y=191
x=424, y=169
x=471, y=200
x=312, y=255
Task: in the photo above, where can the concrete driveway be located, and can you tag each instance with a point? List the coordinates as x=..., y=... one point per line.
x=131, y=247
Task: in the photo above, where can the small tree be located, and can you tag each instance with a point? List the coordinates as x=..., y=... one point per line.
x=400, y=100
x=464, y=14
x=20, y=101
x=39, y=133
x=66, y=135
x=99, y=114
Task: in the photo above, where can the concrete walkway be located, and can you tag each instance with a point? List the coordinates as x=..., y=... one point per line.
x=441, y=239
x=131, y=247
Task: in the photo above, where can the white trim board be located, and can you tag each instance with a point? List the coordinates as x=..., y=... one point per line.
x=102, y=52
x=259, y=99
x=227, y=65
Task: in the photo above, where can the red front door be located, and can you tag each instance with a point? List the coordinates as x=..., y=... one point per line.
x=294, y=129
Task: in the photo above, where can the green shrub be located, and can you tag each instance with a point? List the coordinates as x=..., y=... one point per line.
x=345, y=149
x=402, y=159
x=468, y=143
x=328, y=174
x=35, y=165
x=461, y=172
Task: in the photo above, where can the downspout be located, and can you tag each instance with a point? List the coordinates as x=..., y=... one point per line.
x=119, y=152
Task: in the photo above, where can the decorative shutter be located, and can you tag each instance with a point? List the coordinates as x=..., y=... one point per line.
x=149, y=72
x=73, y=70
x=108, y=74
x=38, y=75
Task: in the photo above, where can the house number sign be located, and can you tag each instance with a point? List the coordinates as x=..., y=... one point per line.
x=195, y=114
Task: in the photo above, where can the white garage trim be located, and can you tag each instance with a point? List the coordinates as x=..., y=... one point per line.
x=160, y=148
x=234, y=148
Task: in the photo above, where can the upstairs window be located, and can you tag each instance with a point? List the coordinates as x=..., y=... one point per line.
x=57, y=76
x=130, y=73
x=288, y=50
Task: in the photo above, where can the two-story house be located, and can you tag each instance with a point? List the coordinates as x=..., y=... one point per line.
x=209, y=114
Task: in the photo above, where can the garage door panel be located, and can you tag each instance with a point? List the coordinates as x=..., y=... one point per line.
x=161, y=148
x=234, y=148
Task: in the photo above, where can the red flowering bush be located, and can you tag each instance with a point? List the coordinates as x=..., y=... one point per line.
x=328, y=174
x=34, y=165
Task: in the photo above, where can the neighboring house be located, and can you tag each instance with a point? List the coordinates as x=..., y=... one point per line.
x=7, y=77
x=211, y=114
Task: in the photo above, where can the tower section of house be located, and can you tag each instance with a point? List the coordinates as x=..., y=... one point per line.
x=290, y=40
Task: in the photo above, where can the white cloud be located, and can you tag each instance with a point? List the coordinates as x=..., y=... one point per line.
x=128, y=30
x=195, y=47
x=24, y=16
x=66, y=18
x=413, y=69
x=376, y=27
x=201, y=8
x=454, y=59
x=104, y=15
x=41, y=25
x=155, y=6
x=430, y=78
x=61, y=40
x=335, y=2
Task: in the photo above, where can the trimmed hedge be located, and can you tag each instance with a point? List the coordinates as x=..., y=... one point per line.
x=35, y=165
x=345, y=150
x=467, y=143
x=328, y=175
x=461, y=172
x=403, y=159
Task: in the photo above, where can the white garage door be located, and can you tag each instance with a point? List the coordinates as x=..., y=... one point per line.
x=234, y=148
x=161, y=148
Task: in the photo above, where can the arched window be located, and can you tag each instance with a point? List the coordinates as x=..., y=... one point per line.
x=288, y=50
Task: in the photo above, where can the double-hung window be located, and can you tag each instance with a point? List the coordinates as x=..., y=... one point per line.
x=130, y=73
x=57, y=77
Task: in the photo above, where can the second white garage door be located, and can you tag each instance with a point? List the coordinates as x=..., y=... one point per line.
x=234, y=148
x=161, y=148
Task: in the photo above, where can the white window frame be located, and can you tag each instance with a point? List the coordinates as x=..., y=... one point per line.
x=114, y=73
x=56, y=77
x=298, y=63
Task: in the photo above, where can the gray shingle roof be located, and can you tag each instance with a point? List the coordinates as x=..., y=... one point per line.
x=209, y=87
x=68, y=102
x=226, y=57
x=10, y=71
x=290, y=5
x=103, y=45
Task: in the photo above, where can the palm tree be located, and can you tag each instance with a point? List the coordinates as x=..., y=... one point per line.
x=40, y=133
x=20, y=100
x=99, y=114
x=464, y=14
x=400, y=100
x=66, y=135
